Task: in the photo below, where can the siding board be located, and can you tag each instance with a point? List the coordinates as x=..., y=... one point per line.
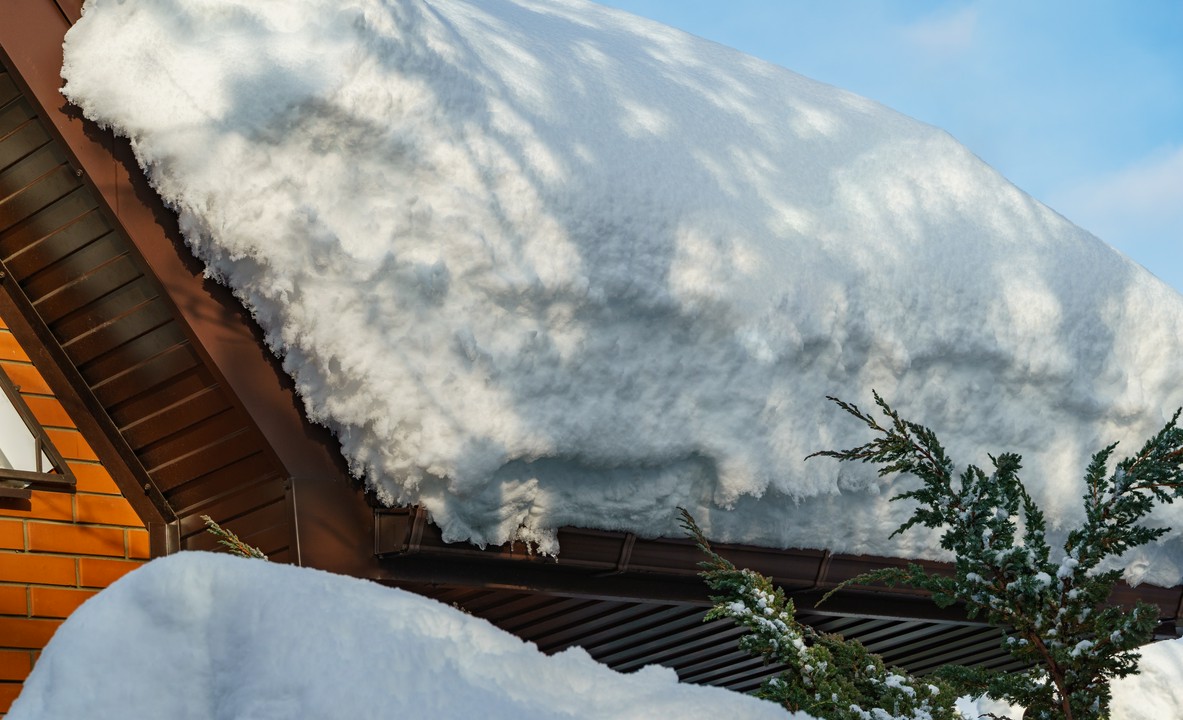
x=173, y=419
x=32, y=166
x=97, y=282
x=87, y=247
x=79, y=227
x=81, y=320
x=26, y=235
x=31, y=198
x=204, y=459
x=206, y=496
x=24, y=139
x=117, y=331
x=151, y=343
x=139, y=407
x=146, y=375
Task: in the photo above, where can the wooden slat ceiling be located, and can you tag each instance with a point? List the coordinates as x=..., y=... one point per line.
x=628, y=635
x=634, y=601
x=71, y=268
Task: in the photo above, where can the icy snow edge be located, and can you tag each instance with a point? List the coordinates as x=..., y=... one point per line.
x=543, y=263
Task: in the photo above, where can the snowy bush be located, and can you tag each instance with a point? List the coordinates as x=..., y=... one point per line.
x=827, y=677
x=1055, y=608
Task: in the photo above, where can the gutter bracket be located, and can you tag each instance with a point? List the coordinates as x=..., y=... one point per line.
x=416, y=534
x=823, y=570
x=626, y=555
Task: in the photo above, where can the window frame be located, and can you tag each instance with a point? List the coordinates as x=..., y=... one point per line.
x=19, y=484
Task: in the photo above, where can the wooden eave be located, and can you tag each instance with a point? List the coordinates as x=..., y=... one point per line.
x=169, y=378
x=163, y=369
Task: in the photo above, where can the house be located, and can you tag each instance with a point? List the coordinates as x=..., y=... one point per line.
x=163, y=404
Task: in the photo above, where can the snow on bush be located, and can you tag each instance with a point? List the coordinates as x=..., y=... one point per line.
x=540, y=263
x=204, y=635
x=1074, y=643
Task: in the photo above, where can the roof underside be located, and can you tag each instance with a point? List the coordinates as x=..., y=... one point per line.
x=630, y=634
x=170, y=381
x=632, y=601
x=113, y=332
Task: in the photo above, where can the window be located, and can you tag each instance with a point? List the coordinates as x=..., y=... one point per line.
x=28, y=460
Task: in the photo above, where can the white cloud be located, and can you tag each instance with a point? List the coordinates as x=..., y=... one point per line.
x=1138, y=209
x=1148, y=192
x=944, y=34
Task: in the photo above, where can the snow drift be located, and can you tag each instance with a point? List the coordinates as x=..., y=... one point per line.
x=205, y=635
x=543, y=263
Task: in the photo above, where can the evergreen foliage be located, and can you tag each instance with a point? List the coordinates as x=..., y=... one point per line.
x=827, y=676
x=1056, y=608
x=228, y=539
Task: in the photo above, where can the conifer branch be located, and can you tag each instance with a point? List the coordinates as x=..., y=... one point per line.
x=1056, y=609
x=231, y=541
x=826, y=676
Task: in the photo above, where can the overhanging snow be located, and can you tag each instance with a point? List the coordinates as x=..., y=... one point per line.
x=543, y=263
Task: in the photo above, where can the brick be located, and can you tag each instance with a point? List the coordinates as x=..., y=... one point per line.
x=138, y=544
x=76, y=539
x=71, y=444
x=42, y=505
x=27, y=632
x=106, y=510
x=93, y=478
x=97, y=573
x=8, y=693
x=12, y=535
x=13, y=600
x=15, y=664
x=57, y=602
x=10, y=349
x=42, y=569
x=48, y=411
x=26, y=378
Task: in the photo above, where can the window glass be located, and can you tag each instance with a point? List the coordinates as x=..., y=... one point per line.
x=18, y=446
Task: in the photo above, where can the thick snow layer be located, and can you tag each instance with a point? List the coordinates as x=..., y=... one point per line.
x=204, y=635
x=543, y=263
x=1156, y=692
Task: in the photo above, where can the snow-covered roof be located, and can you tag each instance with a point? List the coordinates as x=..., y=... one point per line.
x=544, y=263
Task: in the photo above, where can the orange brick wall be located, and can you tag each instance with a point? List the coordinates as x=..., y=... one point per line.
x=56, y=549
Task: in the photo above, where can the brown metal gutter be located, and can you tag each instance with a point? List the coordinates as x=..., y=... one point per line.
x=590, y=565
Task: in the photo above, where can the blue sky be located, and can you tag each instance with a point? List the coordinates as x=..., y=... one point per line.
x=1078, y=102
